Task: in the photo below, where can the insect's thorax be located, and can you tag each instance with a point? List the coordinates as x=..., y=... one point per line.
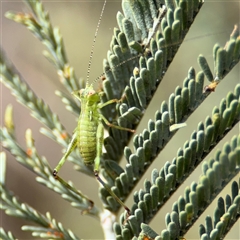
x=89, y=113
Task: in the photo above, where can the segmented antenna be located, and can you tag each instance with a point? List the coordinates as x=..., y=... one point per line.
x=118, y=65
x=145, y=44
x=94, y=40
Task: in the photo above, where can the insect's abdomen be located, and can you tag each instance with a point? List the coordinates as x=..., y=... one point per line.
x=87, y=131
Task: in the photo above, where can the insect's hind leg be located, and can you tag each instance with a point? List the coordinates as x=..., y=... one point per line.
x=112, y=193
x=97, y=165
x=91, y=203
x=70, y=148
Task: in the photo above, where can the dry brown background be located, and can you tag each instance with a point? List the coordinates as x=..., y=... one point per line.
x=77, y=21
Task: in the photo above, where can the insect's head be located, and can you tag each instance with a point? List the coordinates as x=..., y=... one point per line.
x=87, y=94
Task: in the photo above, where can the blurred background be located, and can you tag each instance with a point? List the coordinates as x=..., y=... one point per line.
x=77, y=21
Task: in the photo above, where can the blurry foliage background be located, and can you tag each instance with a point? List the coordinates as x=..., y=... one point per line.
x=77, y=21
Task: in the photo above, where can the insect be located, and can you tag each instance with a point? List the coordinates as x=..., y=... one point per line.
x=211, y=87
x=89, y=133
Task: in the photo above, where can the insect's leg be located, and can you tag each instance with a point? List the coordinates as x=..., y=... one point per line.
x=97, y=165
x=91, y=203
x=101, y=105
x=115, y=126
x=112, y=194
x=70, y=148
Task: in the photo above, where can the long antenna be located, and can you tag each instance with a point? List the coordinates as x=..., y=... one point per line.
x=94, y=40
x=145, y=44
x=118, y=65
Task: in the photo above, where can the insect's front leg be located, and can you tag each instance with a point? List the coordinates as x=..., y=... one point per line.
x=101, y=105
x=100, y=133
x=116, y=126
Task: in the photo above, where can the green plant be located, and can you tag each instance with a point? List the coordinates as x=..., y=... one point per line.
x=207, y=136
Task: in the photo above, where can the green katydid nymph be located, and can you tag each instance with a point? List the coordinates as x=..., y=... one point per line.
x=89, y=133
x=88, y=136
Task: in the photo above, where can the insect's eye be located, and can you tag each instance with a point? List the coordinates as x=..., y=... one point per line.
x=91, y=92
